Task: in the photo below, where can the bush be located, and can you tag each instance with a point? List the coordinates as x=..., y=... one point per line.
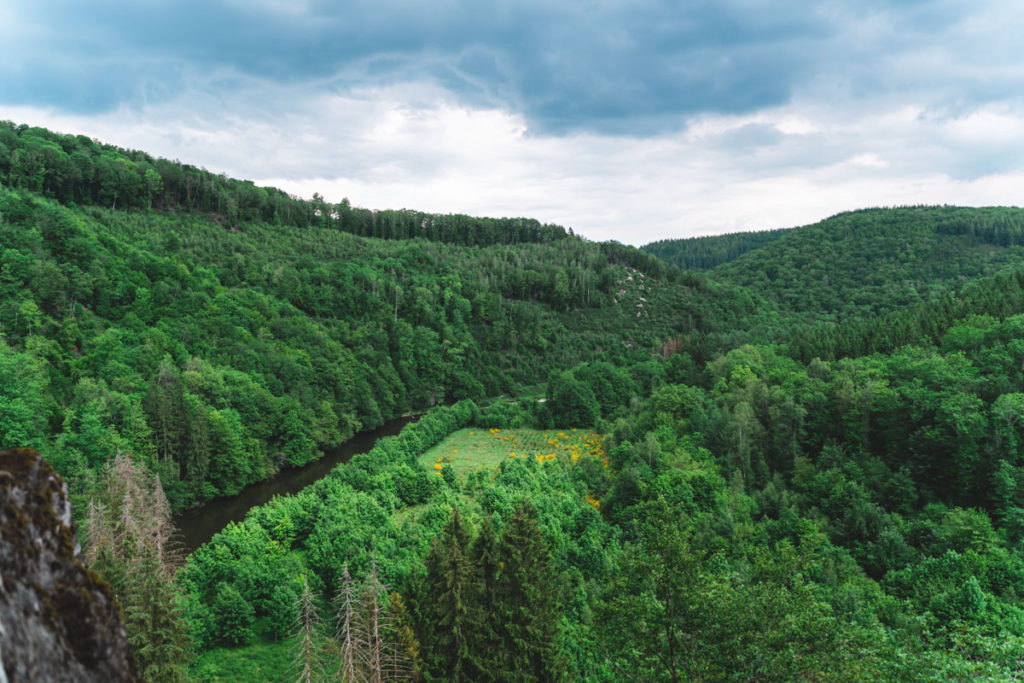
x=233, y=617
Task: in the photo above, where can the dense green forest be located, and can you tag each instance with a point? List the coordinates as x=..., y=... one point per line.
x=222, y=352
x=804, y=462
x=861, y=263
x=703, y=253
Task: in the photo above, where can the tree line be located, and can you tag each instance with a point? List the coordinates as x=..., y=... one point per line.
x=74, y=169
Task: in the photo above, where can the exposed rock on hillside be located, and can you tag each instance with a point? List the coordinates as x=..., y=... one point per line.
x=58, y=620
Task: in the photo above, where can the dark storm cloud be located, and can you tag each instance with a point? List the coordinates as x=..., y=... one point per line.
x=603, y=66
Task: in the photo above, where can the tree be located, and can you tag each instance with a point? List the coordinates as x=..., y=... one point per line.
x=447, y=613
x=526, y=613
x=233, y=616
x=405, y=662
x=346, y=618
x=571, y=402
x=165, y=406
x=129, y=542
x=376, y=642
x=307, y=627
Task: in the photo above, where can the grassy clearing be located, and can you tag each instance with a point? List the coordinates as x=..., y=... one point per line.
x=469, y=450
x=262, y=661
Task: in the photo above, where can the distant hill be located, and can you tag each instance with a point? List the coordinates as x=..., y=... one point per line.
x=864, y=263
x=704, y=253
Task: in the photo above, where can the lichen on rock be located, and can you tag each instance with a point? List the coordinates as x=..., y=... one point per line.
x=58, y=620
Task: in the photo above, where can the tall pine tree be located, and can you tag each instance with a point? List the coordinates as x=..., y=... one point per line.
x=446, y=606
x=526, y=613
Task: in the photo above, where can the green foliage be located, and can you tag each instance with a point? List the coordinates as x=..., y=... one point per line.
x=571, y=402
x=702, y=253
x=525, y=604
x=233, y=616
x=23, y=401
x=281, y=610
x=447, y=611
x=814, y=448
x=253, y=344
x=875, y=261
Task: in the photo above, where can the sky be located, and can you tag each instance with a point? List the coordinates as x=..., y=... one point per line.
x=633, y=121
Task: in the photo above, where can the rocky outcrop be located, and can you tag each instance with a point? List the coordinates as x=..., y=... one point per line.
x=58, y=620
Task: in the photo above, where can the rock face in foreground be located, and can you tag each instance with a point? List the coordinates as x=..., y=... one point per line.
x=58, y=620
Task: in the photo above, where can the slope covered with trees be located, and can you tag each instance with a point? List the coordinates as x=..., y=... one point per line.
x=806, y=462
x=220, y=350
x=80, y=171
x=703, y=253
x=866, y=263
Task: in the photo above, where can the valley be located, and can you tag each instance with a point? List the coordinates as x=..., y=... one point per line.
x=796, y=454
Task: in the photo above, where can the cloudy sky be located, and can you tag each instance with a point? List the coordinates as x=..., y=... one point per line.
x=633, y=121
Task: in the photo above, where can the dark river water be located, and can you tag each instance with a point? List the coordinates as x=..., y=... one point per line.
x=198, y=525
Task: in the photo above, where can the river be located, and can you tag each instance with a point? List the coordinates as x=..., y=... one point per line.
x=199, y=524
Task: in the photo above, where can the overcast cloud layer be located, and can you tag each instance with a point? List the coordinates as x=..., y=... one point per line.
x=632, y=120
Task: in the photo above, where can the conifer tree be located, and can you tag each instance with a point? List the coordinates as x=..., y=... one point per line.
x=405, y=657
x=307, y=627
x=153, y=620
x=372, y=621
x=446, y=605
x=346, y=618
x=130, y=543
x=526, y=608
x=376, y=643
x=485, y=638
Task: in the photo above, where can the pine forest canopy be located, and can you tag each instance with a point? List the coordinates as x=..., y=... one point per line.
x=805, y=461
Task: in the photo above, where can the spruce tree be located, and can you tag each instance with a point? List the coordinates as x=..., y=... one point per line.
x=347, y=619
x=446, y=605
x=154, y=620
x=486, y=643
x=526, y=609
x=406, y=656
x=375, y=639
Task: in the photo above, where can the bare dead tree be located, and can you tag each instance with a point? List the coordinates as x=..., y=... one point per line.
x=371, y=651
x=128, y=541
x=98, y=536
x=370, y=604
x=165, y=534
x=347, y=619
x=307, y=657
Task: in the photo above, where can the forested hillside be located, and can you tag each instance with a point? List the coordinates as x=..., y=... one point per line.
x=863, y=263
x=78, y=170
x=703, y=253
x=221, y=350
x=804, y=463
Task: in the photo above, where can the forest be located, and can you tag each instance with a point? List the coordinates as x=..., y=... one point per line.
x=795, y=454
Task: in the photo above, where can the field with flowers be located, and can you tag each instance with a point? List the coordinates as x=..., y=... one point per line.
x=469, y=450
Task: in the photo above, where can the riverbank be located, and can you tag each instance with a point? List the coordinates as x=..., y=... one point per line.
x=199, y=524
